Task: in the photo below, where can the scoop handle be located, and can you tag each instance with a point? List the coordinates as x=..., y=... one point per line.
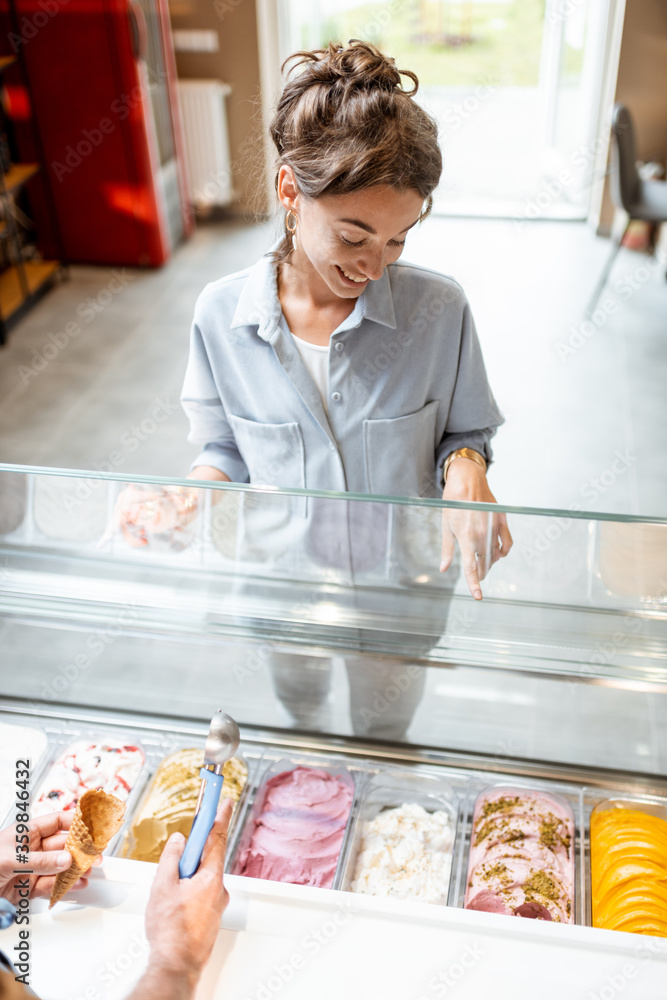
x=201, y=824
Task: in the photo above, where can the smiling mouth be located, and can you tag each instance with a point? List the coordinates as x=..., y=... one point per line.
x=352, y=277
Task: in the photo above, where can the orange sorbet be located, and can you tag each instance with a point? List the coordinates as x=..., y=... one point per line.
x=629, y=871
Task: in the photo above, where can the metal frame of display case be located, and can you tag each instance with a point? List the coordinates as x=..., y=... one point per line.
x=247, y=576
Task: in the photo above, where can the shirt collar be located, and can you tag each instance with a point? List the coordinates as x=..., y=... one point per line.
x=378, y=303
x=259, y=304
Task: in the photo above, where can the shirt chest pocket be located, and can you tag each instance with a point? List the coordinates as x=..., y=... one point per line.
x=399, y=454
x=274, y=455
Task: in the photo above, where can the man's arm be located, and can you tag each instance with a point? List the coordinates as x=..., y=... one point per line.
x=183, y=916
x=165, y=983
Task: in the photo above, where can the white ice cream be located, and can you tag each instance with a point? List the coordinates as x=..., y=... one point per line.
x=406, y=853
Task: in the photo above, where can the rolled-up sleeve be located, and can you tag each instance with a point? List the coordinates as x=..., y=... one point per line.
x=203, y=407
x=473, y=416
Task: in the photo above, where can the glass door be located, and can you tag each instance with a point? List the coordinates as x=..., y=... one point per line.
x=159, y=115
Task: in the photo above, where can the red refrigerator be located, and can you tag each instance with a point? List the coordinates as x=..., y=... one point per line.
x=101, y=82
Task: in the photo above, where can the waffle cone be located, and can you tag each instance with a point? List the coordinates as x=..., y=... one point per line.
x=97, y=818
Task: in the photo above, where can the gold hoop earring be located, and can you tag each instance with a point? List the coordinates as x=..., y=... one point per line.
x=292, y=228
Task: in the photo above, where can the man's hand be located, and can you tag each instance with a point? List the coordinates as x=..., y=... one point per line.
x=466, y=482
x=183, y=915
x=46, y=859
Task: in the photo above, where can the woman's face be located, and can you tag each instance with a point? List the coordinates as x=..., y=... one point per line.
x=347, y=240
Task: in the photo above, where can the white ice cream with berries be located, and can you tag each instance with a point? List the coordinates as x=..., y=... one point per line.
x=111, y=766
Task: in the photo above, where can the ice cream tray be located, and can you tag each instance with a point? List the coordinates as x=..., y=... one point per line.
x=10, y=755
x=62, y=735
x=378, y=785
x=64, y=512
x=247, y=753
x=350, y=776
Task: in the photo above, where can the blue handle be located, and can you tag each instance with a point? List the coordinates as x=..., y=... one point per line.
x=202, y=823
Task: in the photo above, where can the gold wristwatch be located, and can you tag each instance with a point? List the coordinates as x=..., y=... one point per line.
x=462, y=453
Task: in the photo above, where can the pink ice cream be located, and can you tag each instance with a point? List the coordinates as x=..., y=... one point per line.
x=521, y=859
x=299, y=833
x=113, y=767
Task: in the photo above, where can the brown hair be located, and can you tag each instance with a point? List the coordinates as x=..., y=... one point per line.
x=345, y=123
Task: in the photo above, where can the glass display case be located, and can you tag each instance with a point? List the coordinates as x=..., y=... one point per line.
x=132, y=609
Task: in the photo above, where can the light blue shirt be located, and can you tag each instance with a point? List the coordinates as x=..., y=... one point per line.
x=406, y=386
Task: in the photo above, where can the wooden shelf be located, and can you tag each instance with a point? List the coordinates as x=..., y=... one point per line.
x=18, y=174
x=24, y=283
x=11, y=295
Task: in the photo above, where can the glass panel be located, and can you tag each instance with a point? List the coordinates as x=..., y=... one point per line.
x=328, y=613
x=334, y=572
x=95, y=476
x=158, y=84
x=571, y=71
x=64, y=667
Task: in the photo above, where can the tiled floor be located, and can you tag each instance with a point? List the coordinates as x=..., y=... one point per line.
x=88, y=401
x=70, y=403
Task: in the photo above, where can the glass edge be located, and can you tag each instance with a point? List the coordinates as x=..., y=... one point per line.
x=575, y=513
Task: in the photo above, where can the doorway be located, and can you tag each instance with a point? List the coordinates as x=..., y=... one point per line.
x=515, y=86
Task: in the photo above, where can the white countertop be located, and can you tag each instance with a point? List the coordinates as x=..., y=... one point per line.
x=297, y=943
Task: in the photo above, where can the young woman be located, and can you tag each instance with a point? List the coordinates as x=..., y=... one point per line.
x=330, y=365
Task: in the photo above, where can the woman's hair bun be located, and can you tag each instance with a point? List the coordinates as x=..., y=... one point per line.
x=344, y=123
x=359, y=65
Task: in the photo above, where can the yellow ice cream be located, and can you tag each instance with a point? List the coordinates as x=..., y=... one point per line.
x=629, y=871
x=170, y=804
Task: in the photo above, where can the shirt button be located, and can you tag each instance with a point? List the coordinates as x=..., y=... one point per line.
x=339, y=346
x=336, y=396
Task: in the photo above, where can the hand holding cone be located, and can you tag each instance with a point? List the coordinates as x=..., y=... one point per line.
x=97, y=818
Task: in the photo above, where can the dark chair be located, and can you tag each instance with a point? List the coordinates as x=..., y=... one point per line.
x=646, y=200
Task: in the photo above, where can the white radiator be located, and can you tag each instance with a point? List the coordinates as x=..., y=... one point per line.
x=206, y=141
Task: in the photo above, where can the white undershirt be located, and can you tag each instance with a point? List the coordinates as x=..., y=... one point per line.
x=316, y=360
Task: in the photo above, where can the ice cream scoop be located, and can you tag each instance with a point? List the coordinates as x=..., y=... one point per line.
x=221, y=744
x=169, y=806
